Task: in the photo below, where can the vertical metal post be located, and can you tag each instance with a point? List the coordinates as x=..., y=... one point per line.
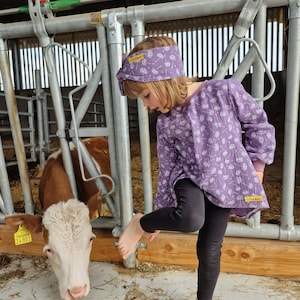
x=108, y=107
x=257, y=81
x=291, y=121
x=15, y=128
x=16, y=63
x=31, y=125
x=60, y=118
x=40, y=124
x=136, y=19
x=115, y=40
x=8, y=207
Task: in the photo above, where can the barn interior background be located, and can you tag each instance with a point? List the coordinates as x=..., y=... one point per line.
x=57, y=66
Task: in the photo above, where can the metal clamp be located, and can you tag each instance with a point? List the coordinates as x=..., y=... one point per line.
x=37, y=17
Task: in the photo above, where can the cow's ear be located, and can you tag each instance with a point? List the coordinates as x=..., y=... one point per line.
x=94, y=205
x=45, y=234
x=30, y=222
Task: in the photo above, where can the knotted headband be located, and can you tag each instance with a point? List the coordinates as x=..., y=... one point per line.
x=149, y=65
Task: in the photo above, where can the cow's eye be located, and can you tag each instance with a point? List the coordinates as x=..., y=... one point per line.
x=92, y=238
x=48, y=250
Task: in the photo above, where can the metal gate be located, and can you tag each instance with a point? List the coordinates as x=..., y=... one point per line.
x=109, y=26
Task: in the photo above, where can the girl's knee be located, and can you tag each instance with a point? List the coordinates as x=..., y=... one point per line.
x=195, y=223
x=191, y=223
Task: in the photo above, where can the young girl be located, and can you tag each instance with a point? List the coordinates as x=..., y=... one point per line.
x=207, y=169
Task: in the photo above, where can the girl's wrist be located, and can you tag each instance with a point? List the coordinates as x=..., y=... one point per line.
x=260, y=175
x=259, y=166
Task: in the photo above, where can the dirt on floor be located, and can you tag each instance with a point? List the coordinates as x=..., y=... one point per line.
x=29, y=277
x=10, y=271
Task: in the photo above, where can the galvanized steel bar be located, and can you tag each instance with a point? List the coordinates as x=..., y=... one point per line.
x=265, y=231
x=257, y=79
x=40, y=117
x=244, y=21
x=245, y=65
x=6, y=206
x=15, y=127
x=109, y=114
x=115, y=41
x=152, y=13
x=287, y=227
x=87, y=96
x=60, y=118
x=94, y=173
x=136, y=19
x=257, y=82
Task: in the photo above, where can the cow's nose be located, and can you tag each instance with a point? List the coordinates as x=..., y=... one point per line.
x=78, y=292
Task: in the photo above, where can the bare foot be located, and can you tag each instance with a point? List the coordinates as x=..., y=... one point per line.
x=130, y=236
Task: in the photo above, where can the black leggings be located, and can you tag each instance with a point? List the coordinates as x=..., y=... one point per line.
x=195, y=212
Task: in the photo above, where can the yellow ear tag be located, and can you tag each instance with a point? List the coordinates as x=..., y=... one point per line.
x=22, y=236
x=95, y=215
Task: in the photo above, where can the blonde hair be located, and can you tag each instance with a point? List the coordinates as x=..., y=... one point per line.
x=174, y=90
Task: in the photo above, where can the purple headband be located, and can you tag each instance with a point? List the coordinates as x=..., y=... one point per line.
x=153, y=64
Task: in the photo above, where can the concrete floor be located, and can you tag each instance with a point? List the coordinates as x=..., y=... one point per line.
x=30, y=278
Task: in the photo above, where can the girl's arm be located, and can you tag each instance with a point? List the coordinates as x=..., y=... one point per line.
x=259, y=133
x=167, y=158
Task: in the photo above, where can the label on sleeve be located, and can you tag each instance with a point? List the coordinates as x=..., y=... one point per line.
x=257, y=198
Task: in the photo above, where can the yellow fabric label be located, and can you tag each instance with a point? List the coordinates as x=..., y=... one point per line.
x=95, y=18
x=257, y=198
x=22, y=236
x=136, y=58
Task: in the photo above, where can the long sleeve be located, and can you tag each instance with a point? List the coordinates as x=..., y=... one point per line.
x=167, y=158
x=259, y=134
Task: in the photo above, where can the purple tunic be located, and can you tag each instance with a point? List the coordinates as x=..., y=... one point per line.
x=202, y=140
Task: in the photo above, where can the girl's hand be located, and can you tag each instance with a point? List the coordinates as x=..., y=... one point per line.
x=260, y=176
x=153, y=235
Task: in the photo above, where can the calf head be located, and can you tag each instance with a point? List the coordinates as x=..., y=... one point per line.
x=68, y=238
x=69, y=246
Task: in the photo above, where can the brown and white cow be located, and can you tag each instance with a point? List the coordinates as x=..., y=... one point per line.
x=65, y=224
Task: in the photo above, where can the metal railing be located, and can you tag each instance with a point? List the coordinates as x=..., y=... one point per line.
x=202, y=42
x=28, y=129
x=112, y=22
